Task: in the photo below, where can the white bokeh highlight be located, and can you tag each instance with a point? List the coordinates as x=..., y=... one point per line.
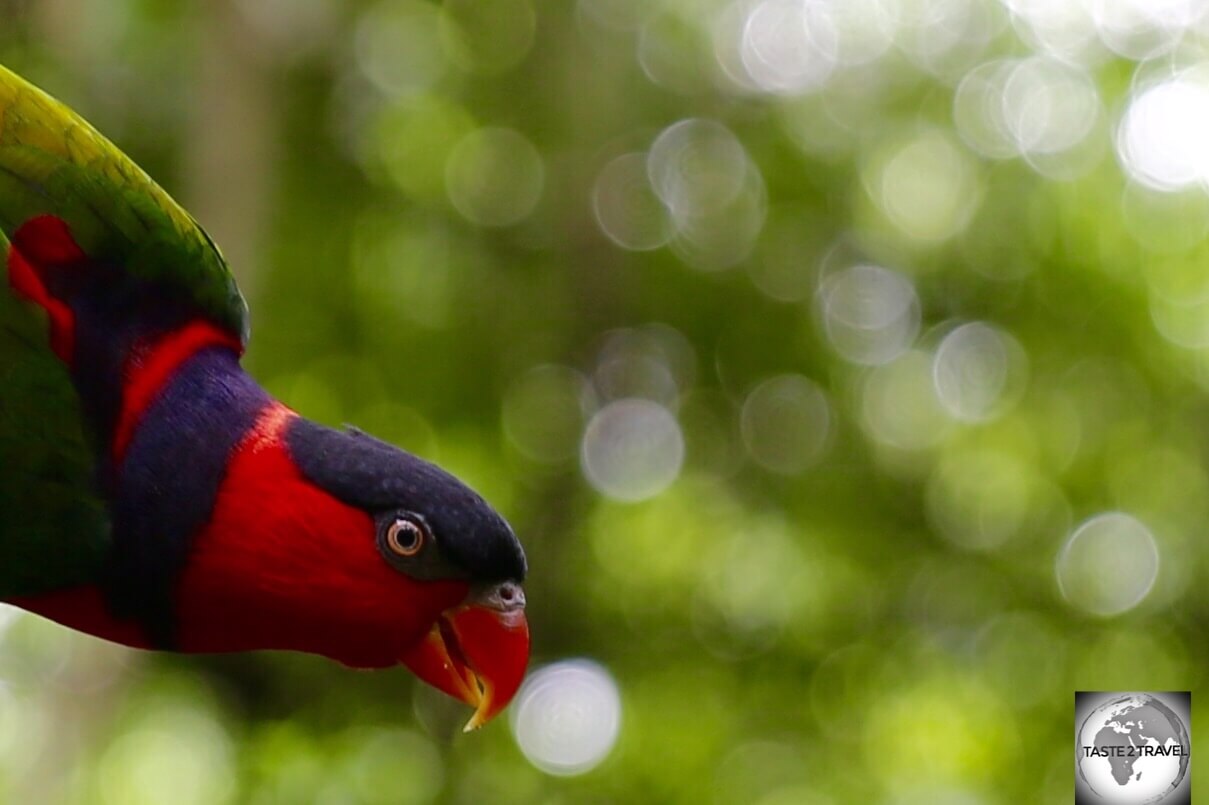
x=865, y=28
x=978, y=109
x=697, y=166
x=567, y=716
x=789, y=46
x=1108, y=565
x=945, y=37
x=632, y=450
x=1049, y=106
x=1043, y=109
x=712, y=190
x=1163, y=139
x=870, y=314
x=978, y=372
x=1061, y=28
x=1143, y=29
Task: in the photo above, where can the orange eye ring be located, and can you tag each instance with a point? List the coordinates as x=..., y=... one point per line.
x=405, y=537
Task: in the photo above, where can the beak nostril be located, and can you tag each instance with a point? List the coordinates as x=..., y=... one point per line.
x=505, y=596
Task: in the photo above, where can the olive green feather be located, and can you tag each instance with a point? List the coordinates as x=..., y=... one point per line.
x=54, y=530
x=53, y=162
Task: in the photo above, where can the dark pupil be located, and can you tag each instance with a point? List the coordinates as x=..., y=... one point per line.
x=406, y=535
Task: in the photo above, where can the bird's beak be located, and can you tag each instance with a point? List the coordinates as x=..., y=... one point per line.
x=477, y=651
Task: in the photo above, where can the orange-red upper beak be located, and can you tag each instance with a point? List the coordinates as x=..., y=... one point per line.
x=477, y=652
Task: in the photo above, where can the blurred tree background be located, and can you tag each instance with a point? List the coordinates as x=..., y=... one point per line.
x=842, y=364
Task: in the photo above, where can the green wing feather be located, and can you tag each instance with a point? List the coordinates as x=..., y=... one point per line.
x=54, y=530
x=53, y=162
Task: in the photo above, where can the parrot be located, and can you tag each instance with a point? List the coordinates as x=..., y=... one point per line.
x=153, y=494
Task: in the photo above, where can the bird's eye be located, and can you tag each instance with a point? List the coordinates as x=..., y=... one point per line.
x=405, y=537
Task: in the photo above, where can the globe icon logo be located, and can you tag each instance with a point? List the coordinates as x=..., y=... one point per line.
x=1134, y=749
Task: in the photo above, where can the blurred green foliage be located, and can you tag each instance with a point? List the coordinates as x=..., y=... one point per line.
x=843, y=367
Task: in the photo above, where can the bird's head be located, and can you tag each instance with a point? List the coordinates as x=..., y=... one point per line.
x=378, y=558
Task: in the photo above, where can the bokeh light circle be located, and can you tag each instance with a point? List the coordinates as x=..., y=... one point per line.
x=978, y=109
x=1061, y=28
x=788, y=46
x=567, y=716
x=785, y=422
x=1049, y=106
x=697, y=166
x=1108, y=564
x=398, y=46
x=927, y=186
x=1143, y=29
x=899, y=407
x=978, y=372
x=713, y=191
x=723, y=237
x=632, y=450
x=870, y=314
x=1163, y=140
x=494, y=177
x=652, y=362
x=627, y=210
x=865, y=28
x=946, y=37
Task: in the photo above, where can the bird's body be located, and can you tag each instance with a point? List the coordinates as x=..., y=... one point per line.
x=154, y=494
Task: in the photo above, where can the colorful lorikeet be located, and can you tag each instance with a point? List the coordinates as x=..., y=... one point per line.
x=154, y=495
